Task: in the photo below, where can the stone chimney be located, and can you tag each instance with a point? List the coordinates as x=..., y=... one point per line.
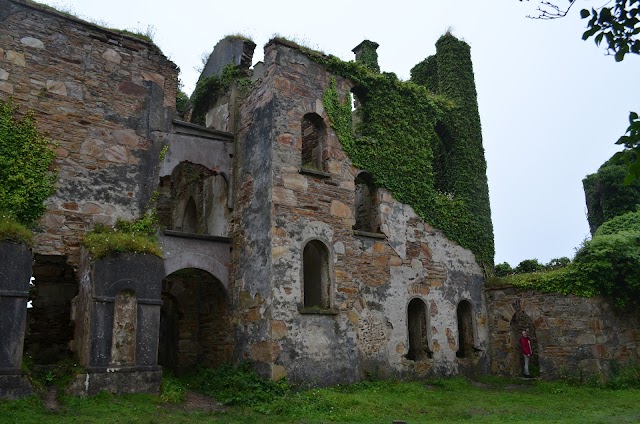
x=366, y=54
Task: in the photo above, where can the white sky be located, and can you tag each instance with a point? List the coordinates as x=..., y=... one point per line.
x=551, y=105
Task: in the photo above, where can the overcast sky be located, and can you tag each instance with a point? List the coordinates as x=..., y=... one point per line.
x=551, y=105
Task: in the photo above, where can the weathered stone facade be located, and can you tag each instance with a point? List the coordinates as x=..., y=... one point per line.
x=282, y=206
x=573, y=336
x=277, y=250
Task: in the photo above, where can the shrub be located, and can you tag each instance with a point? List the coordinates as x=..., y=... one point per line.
x=557, y=263
x=238, y=385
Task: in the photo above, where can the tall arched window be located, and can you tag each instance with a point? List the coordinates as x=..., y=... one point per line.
x=418, y=328
x=316, y=275
x=466, y=340
x=313, y=130
x=365, y=204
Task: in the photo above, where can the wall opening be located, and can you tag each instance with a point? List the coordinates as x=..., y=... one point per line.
x=466, y=340
x=313, y=133
x=125, y=318
x=195, y=323
x=316, y=275
x=194, y=199
x=366, y=204
x=49, y=326
x=519, y=322
x=418, y=327
x=190, y=217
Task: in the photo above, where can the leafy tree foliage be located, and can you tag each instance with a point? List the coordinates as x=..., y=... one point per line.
x=528, y=265
x=607, y=195
x=25, y=161
x=503, y=269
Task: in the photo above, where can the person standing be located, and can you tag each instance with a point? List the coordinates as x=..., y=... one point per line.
x=525, y=345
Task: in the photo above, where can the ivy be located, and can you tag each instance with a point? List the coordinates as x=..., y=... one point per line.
x=421, y=141
x=208, y=90
x=25, y=162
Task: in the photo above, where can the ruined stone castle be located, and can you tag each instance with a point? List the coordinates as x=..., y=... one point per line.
x=276, y=249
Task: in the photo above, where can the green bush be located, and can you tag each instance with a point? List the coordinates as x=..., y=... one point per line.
x=25, y=161
x=238, y=385
x=629, y=221
x=610, y=263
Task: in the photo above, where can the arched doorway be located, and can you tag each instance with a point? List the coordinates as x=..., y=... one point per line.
x=519, y=322
x=195, y=324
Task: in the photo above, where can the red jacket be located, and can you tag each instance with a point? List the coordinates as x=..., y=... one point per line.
x=525, y=344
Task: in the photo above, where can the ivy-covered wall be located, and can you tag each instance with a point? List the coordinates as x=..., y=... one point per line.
x=422, y=140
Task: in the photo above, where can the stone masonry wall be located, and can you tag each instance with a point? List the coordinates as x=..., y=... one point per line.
x=105, y=98
x=574, y=335
x=374, y=277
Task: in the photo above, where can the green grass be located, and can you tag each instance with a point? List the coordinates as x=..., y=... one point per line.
x=12, y=230
x=441, y=401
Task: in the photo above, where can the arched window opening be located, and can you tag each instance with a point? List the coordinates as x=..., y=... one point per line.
x=466, y=340
x=125, y=317
x=366, y=203
x=418, y=328
x=190, y=217
x=358, y=97
x=313, y=130
x=315, y=269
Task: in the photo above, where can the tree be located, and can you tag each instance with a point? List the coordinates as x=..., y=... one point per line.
x=617, y=23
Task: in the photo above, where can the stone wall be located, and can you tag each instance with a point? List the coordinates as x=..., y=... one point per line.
x=572, y=335
x=373, y=277
x=105, y=98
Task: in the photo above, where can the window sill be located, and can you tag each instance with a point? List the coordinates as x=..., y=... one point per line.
x=315, y=173
x=317, y=311
x=368, y=234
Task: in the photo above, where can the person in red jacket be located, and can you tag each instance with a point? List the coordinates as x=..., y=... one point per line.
x=525, y=345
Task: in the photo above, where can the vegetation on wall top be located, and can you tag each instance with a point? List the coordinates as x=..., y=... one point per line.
x=208, y=90
x=25, y=162
x=424, y=147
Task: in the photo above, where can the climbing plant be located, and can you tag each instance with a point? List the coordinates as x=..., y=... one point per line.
x=404, y=139
x=208, y=90
x=25, y=161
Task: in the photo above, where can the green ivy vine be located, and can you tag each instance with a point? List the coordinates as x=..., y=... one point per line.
x=25, y=162
x=421, y=141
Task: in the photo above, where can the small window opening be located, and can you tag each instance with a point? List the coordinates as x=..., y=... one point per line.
x=315, y=268
x=366, y=203
x=190, y=217
x=312, y=141
x=418, y=331
x=465, y=330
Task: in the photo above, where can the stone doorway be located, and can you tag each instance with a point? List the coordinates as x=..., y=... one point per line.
x=519, y=322
x=195, y=323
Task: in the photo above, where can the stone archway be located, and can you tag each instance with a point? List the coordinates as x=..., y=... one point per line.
x=196, y=322
x=519, y=322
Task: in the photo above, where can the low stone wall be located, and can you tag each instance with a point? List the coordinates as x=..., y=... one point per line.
x=571, y=335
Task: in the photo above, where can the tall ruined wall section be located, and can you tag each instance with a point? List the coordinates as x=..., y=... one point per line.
x=572, y=336
x=105, y=98
x=372, y=277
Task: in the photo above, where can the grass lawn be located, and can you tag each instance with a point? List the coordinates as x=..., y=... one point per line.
x=439, y=401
